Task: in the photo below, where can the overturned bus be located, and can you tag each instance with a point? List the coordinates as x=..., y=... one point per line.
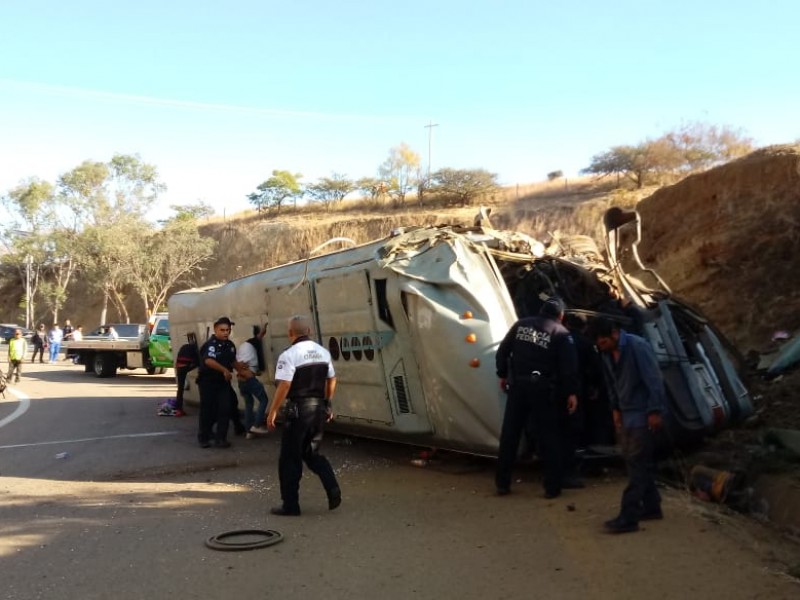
x=413, y=322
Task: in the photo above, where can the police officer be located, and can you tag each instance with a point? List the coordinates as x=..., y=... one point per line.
x=537, y=364
x=217, y=357
x=306, y=377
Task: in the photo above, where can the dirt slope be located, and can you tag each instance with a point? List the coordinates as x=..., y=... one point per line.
x=728, y=239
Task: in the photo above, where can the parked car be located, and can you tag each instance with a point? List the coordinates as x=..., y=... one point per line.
x=7, y=332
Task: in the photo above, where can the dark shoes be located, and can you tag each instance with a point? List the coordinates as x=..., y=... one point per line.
x=550, y=494
x=652, y=515
x=205, y=444
x=222, y=444
x=619, y=525
x=334, y=498
x=282, y=511
x=503, y=491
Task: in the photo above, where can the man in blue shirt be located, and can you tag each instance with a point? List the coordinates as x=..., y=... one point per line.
x=636, y=391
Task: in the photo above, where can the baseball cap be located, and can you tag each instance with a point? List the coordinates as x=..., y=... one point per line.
x=223, y=321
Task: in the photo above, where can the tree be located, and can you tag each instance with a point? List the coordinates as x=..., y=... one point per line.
x=691, y=148
x=167, y=257
x=108, y=253
x=637, y=163
x=190, y=212
x=398, y=170
x=702, y=146
x=26, y=236
x=464, y=185
x=372, y=188
x=282, y=186
x=331, y=190
x=109, y=200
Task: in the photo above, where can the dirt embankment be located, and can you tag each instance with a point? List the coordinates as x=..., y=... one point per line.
x=728, y=241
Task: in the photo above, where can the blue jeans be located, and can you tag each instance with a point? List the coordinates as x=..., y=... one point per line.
x=252, y=389
x=55, y=348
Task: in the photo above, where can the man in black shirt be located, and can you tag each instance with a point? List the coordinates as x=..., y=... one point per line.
x=217, y=358
x=537, y=364
x=305, y=376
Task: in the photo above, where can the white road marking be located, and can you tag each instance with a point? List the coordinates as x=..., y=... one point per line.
x=24, y=405
x=94, y=439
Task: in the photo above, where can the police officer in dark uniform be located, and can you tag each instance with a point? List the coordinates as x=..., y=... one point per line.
x=305, y=376
x=537, y=364
x=217, y=358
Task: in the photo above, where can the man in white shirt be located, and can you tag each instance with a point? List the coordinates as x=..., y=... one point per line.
x=249, y=364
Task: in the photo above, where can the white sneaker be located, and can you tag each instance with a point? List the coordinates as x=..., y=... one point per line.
x=260, y=429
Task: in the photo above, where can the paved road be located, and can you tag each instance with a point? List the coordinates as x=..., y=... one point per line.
x=125, y=514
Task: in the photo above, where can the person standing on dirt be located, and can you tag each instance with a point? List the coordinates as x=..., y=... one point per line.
x=217, y=357
x=637, y=396
x=17, y=349
x=537, y=364
x=305, y=376
x=249, y=364
x=39, y=341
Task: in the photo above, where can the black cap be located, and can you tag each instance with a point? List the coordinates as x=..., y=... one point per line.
x=223, y=321
x=552, y=307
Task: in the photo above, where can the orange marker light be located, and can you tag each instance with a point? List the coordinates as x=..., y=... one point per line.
x=475, y=363
x=467, y=314
x=472, y=338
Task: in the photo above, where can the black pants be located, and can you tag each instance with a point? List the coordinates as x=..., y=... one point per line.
x=300, y=442
x=641, y=495
x=40, y=350
x=180, y=374
x=548, y=415
x=14, y=366
x=215, y=410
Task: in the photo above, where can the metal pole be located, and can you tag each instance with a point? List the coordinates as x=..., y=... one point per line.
x=430, y=127
x=28, y=311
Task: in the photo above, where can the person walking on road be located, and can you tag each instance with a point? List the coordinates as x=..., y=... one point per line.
x=54, y=337
x=217, y=357
x=537, y=363
x=17, y=349
x=249, y=364
x=305, y=376
x=637, y=396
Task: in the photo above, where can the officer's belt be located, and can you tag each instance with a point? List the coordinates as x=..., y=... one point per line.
x=539, y=378
x=312, y=401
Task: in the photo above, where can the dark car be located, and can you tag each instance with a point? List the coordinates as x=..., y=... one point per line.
x=7, y=332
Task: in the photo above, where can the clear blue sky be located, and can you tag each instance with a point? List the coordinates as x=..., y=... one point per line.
x=218, y=94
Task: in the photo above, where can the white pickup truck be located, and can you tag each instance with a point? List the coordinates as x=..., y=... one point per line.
x=103, y=353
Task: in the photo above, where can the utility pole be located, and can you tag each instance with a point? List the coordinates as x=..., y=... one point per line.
x=430, y=127
x=28, y=298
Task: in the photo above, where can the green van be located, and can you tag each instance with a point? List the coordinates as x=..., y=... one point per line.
x=159, y=347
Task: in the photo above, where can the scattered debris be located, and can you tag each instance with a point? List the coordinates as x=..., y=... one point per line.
x=61, y=455
x=713, y=485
